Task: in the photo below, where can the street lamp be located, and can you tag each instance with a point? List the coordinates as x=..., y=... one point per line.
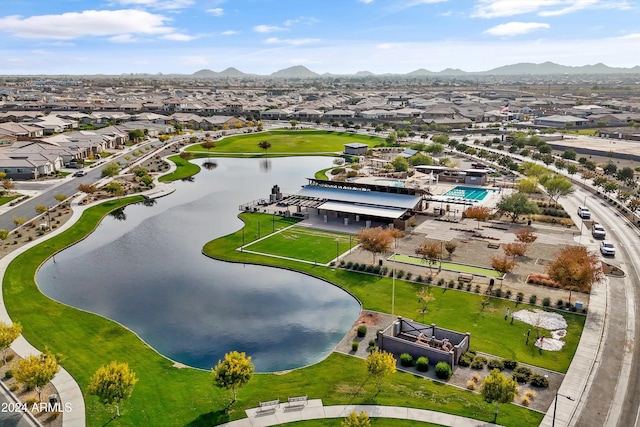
x=555, y=405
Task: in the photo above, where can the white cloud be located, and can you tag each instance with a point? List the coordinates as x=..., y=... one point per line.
x=217, y=11
x=366, y=1
x=267, y=28
x=502, y=8
x=303, y=20
x=123, y=38
x=157, y=4
x=291, y=42
x=515, y=28
x=388, y=46
x=230, y=33
x=178, y=37
x=88, y=23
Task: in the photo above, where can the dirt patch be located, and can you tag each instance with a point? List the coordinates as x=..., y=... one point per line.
x=612, y=270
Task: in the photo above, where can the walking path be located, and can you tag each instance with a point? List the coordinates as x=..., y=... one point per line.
x=314, y=409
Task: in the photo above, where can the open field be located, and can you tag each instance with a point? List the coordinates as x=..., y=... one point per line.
x=288, y=141
x=184, y=169
x=304, y=244
x=451, y=266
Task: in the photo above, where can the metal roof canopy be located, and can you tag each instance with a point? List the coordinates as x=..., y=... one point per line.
x=375, y=211
x=374, y=198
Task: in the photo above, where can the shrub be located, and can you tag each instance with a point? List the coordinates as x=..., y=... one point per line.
x=348, y=265
x=560, y=303
x=10, y=357
x=468, y=287
x=530, y=394
x=451, y=283
x=546, y=302
x=477, y=290
x=510, y=364
x=495, y=364
x=419, y=279
x=465, y=360
x=460, y=285
x=440, y=281
x=429, y=279
x=520, y=296
x=372, y=343
x=362, y=331
x=507, y=294
x=499, y=293
x=399, y=274
x=443, y=370
x=525, y=401
x=422, y=364
x=476, y=378
x=533, y=299
x=521, y=374
x=369, y=268
x=354, y=346
x=478, y=362
x=14, y=387
x=471, y=385
x=406, y=360
x=409, y=276
x=540, y=381
x=8, y=374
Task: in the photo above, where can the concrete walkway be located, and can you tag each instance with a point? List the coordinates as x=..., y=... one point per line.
x=314, y=409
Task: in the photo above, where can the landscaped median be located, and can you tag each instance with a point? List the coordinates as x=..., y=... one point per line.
x=184, y=169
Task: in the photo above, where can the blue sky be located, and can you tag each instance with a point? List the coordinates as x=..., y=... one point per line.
x=337, y=36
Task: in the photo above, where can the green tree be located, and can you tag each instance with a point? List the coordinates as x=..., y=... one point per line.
x=60, y=197
x=8, y=334
x=208, y=145
x=610, y=187
x=435, y=148
x=235, y=370
x=265, y=145
x=110, y=170
x=528, y=185
x=186, y=155
x=569, y=154
x=572, y=169
x=517, y=204
x=113, y=383
x=496, y=388
x=19, y=220
x=114, y=189
x=420, y=159
x=4, y=234
x=357, y=420
x=610, y=169
x=40, y=209
x=400, y=164
x=392, y=138
x=294, y=123
x=627, y=175
x=379, y=365
x=36, y=371
x=533, y=169
x=557, y=186
x=136, y=135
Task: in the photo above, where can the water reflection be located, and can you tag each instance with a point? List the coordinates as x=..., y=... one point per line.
x=210, y=165
x=149, y=274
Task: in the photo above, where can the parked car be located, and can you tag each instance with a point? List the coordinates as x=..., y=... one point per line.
x=597, y=231
x=584, y=212
x=607, y=248
x=80, y=173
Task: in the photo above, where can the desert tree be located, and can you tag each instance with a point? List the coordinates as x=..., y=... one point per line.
x=430, y=252
x=8, y=334
x=186, y=155
x=516, y=249
x=208, y=145
x=375, y=240
x=356, y=420
x=113, y=383
x=557, y=186
x=497, y=388
x=110, y=170
x=450, y=247
x=526, y=236
x=502, y=265
x=265, y=145
x=517, y=204
x=19, y=220
x=379, y=365
x=36, y=371
x=575, y=269
x=87, y=188
x=479, y=213
x=235, y=370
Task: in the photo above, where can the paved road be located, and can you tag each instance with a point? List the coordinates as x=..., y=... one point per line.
x=10, y=418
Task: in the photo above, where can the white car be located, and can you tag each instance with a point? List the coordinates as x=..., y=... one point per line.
x=584, y=212
x=607, y=248
x=598, y=231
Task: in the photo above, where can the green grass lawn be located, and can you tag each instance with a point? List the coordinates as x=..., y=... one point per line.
x=304, y=244
x=7, y=199
x=170, y=396
x=375, y=422
x=452, y=309
x=451, y=266
x=185, y=169
x=322, y=174
x=289, y=141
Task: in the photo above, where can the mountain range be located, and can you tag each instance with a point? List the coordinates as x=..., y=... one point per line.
x=524, y=68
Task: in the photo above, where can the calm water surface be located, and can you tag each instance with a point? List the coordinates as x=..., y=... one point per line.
x=148, y=273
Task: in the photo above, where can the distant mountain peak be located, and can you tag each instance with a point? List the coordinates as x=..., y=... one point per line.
x=297, y=71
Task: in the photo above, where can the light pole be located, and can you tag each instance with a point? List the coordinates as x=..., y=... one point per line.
x=582, y=220
x=555, y=405
x=393, y=284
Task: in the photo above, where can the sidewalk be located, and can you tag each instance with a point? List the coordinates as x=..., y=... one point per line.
x=314, y=409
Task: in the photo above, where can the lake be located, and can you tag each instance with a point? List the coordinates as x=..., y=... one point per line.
x=147, y=272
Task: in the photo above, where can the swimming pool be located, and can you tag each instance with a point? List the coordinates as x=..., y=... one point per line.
x=469, y=193
x=389, y=182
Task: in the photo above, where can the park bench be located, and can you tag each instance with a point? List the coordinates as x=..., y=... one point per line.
x=493, y=245
x=271, y=405
x=296, y=401
x=465, y=277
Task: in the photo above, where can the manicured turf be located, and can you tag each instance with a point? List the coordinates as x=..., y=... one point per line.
x=375, y=422
x=289, y=141
x=322, y=174
x=170, y=396
x=451, y=266
x=7, y=199
x=185, y=169
x=452, y=309
x=304, y=244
